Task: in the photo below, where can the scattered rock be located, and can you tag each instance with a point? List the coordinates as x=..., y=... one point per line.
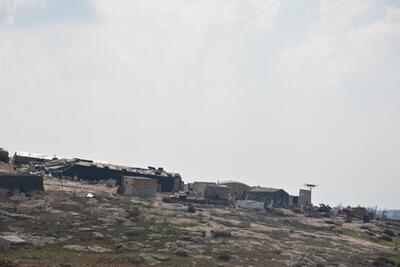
x=161, y=257
x=40, y=241
x=98, y=249
x=14, y=239
x=33, y=206
x=76, y=248
x=149, y=259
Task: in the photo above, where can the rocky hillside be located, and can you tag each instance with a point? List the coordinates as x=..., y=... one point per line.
x=66, y=226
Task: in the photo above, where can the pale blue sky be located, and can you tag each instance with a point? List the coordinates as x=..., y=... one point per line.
x=268, y=92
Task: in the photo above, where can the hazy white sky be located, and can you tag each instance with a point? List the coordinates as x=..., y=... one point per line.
x=268, y=92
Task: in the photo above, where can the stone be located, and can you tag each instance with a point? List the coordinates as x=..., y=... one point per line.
x=14, y=239
x=98, y=249
x=98, y=235
x=149, y=259
x=104, y=194
x=4, y=245
x=84, y=229
x=76, y=248
x=40, y=241
x=161, y=257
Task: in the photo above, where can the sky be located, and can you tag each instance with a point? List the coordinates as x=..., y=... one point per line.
x=274, y=93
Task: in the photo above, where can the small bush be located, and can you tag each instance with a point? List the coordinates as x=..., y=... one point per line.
x=217, y=234
x=191, y=209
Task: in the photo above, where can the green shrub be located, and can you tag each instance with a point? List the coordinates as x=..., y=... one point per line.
x=191, y=209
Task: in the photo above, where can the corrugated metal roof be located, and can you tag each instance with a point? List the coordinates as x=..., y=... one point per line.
x=232, y=182
x=33, y=155
x=264, y=189
x=87, y=163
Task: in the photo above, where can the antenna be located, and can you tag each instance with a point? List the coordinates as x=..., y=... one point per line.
x=310, y=186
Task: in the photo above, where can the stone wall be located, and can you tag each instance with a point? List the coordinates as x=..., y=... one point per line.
x=138, y=186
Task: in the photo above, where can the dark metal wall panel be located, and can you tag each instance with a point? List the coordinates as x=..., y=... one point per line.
x=22, y=182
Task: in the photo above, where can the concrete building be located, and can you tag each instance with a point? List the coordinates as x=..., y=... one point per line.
x=198, y=188
x=238, y=189
x=271, y=197
x=138, y=186
x=305, y=198
x=211, y=191
x=21, y=182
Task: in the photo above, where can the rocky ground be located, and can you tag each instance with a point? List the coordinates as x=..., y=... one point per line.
x=65, y=227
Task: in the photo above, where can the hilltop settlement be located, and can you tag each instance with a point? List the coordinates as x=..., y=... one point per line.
x=77, y=212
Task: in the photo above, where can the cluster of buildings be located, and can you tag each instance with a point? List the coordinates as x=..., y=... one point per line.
x=29, y=169
x=243, y=195
x=26, y=167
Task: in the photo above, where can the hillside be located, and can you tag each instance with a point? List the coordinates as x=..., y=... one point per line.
x=65, y=227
